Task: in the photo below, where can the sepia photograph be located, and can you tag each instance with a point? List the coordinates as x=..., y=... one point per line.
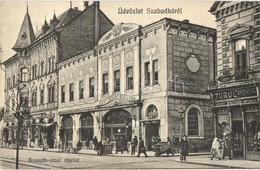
x=129, y=84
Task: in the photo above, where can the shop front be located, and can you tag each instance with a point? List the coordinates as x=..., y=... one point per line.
x=66, y=131
x=118, y=129
x=86, y=130
x=237, y=113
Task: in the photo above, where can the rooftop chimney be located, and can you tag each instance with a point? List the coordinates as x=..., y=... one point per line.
x=186, y=21
x=97, y=24
x=85, y=4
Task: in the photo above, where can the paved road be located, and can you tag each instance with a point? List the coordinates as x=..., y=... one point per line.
x=53, y=160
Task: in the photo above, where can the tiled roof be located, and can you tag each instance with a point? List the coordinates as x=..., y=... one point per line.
x=26, y=35
x=63, y=19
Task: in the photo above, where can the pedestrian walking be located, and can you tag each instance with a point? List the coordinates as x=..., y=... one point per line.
x=184, y=148
x=95, y=142
x=133, y=147
x=136, y=142
x=215, y=149
x=141, y=148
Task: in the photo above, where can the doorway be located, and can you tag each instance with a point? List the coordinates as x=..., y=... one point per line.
x=151, y=130
x=238, y=138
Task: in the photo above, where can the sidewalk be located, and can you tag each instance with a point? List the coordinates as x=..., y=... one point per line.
x=200, y=158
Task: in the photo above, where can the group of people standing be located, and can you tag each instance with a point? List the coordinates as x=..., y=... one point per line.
x=221, y=148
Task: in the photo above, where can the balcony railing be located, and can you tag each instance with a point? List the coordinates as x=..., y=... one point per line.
x=227, y=76
x=46, y=106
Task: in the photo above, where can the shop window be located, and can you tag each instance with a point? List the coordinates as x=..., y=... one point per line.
x=253, y=132
x=105, y=83
x=147, y=73
x=63, y=94
x=81, y=89
x=116, y=80
x=240, y=59
x=129, y=78
x=155, y=72
x=91, y=87
x=71, y=92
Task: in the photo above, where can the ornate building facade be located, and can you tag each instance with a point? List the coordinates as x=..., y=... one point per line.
x=136, y=81
x=32, y=72
x=235, y=96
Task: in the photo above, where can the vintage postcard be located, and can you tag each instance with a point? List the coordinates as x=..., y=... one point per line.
x=129, y=84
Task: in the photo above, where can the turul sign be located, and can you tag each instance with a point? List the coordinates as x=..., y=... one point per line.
x=235, y=93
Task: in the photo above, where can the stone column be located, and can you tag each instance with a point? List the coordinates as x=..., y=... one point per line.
x=75, y=138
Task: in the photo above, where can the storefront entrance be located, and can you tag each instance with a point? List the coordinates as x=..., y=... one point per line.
x=66, y=133
x=151, y=129
x=86, y=130
x=238, y=139
x=118, y=124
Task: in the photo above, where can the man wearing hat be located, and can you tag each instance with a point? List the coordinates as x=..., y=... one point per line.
x=141, y=148
x=184, y=148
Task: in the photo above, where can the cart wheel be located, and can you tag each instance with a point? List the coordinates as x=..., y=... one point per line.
x=157, y=154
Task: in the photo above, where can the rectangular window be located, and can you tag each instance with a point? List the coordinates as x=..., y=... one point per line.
x=35, y=70
x=53, y=64
x=71, y=92
x=13, y=81
x=62, y=94
x=91, y=87
x=129, y=78
x=155, y=72
x=147, y=73
x=42, y=67
x=240, y=59
x=33, y=98
x=49, y=60
x=105, y=83
x=42, y=96
x=116, y=80
x=81, y=89
x=24, y=74
x=8, y=83
x=51, y=94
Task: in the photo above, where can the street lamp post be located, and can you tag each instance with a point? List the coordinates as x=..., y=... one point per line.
x=181, y=115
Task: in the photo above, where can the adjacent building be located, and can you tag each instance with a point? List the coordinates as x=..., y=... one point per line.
x=235, y=96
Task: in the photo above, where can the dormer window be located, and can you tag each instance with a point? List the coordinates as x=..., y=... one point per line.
x=240, y=59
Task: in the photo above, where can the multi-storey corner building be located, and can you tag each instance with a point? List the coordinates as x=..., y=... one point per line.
x=137, y=81
x=235, y=97
x=32, y=75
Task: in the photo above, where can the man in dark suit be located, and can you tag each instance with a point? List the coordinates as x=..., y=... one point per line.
x=141, y=148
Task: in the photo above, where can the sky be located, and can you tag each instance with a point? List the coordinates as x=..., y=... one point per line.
x=13, y=12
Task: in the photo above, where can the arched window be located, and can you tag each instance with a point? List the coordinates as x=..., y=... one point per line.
x=194, y=121
x=24, y=74
x=152, y=112
x=51, y=92
x=193, y=128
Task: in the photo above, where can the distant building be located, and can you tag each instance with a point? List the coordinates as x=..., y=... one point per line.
x=235, y=96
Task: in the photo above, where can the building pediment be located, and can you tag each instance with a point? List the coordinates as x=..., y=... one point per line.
x=117, y=31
